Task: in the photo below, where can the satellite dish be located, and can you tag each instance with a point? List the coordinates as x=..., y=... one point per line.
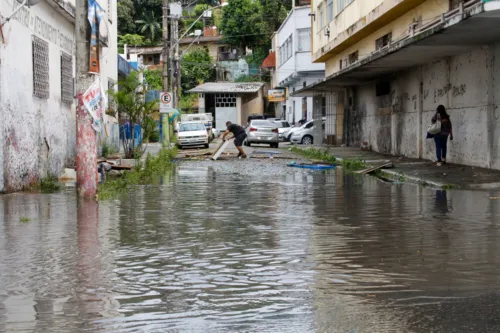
x=28, y=3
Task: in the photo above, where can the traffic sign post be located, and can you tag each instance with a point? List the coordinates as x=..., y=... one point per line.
x=166, y=102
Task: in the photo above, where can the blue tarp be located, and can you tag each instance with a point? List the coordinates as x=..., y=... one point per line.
x=126, y=133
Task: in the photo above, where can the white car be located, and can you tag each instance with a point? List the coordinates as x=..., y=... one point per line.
x=283, y=127
x=192, y=133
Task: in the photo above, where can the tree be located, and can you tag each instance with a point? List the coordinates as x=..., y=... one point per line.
x=197, y=67
x=153, y=78
x=132, y=106
x=126, y=12
x=130, y=40
x=191, y=18
x=243, y=24
x=149, y=25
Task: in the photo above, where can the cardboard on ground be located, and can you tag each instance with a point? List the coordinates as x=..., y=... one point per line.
x=220, y=149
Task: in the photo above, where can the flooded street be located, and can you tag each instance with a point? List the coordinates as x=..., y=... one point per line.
x=210, y=250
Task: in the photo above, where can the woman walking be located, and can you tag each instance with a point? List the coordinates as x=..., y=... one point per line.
x=441, y=139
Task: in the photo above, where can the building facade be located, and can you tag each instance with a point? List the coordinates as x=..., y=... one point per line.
x=294, y=67
x=389, y=64
x=37, y=109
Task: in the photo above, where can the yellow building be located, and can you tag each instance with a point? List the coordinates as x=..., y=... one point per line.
x=390, y=63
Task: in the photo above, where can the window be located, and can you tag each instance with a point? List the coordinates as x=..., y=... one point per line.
x=321, y=18
x=353, y=57
x=329, y=10
x=340, y=64
x=383, y=41
x=342, y=4
x=66, y=78
x=40, y=68
x=225, y=100
x=304, y=40
x=286, y=50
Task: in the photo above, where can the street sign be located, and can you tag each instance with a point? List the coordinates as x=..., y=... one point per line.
x=166, y=102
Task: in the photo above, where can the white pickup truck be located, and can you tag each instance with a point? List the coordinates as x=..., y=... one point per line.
x=205, y=118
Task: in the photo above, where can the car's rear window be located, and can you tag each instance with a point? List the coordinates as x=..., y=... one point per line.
x=263, y=123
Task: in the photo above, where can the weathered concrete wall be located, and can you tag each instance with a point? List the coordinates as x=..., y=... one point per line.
x=38, y=134
x=396, y=123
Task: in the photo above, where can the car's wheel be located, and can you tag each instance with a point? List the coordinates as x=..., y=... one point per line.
x=179, y=146
x=289, y=138
x=207, y=145
x=275, y=145
x=307, y=140
x=247, y=143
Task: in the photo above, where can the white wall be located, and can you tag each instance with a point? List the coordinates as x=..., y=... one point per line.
x=37, y=136
x=298, y=18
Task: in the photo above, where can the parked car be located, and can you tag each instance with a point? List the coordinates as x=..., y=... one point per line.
x=283, y=127
x=205, y=118
x=305, y=134
x=262, y=131
x=192, y=133
x=254, y=117
x=287, y=134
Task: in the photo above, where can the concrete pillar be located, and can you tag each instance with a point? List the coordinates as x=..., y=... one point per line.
x=2, y=142
x=420, y=129
x=239, y=110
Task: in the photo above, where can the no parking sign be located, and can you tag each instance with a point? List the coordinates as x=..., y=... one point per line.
x=166, y=102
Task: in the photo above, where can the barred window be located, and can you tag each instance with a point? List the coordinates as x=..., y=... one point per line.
x=40, y=50
x=66, y=78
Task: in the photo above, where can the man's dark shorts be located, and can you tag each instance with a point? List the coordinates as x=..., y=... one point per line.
x=238, y=140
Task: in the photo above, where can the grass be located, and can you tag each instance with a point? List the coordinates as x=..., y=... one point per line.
x=142, y=174
x=24, y=219
x=49, y=184
x=351, y=164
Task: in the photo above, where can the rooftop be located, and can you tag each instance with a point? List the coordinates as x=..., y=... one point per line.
x=228, y=87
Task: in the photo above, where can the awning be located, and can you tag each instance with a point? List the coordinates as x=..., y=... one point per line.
x=479, y=24
x=270, y=61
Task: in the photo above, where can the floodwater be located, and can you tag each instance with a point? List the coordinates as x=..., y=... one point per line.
x=211, y=252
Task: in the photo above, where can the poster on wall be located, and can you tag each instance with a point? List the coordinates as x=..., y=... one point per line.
x=95, y=14
x=93, y=100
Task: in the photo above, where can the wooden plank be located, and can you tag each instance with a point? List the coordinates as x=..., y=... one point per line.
x=371, y=169
x=221, y=149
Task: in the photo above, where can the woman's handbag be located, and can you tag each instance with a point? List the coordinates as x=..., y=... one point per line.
x=435, y=128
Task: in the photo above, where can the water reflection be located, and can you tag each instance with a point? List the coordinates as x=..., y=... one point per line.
x=205, y=252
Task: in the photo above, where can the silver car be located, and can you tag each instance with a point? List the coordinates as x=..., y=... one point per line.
x=283, y=127
x=305, y=135
x=262, y=131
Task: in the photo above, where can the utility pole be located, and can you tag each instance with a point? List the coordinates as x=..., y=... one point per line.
x=175, y=72
x=86, y=144
x=165, y=74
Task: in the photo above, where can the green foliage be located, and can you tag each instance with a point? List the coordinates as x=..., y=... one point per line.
x=132, y=107
x=149, y=25
x=126, y=11
x=354, y=164
x=243, y=24
x=154, y=78
x=187, y=102
x=24, y=219
x=191, y=18
x=49, y=184
x=130, y=40
x=142, y=174
x=314, y=153
x=107, y=149
x=196, y=67
x=248, y=78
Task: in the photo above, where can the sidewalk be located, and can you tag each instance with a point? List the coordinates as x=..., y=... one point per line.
x=423, y=171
